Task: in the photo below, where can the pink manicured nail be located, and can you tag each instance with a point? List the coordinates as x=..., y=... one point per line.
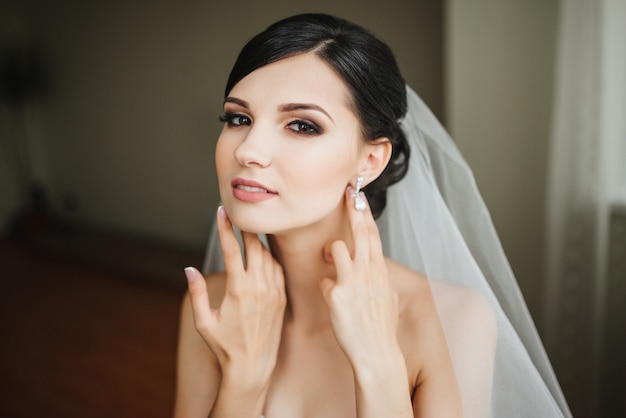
x=222, y=212
x=190, y=272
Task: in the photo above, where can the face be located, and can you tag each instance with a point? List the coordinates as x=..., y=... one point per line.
x=290, y=146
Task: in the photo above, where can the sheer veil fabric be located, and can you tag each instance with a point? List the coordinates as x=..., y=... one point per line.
x=436, y=223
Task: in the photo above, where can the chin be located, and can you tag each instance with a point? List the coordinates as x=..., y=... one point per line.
x=274, y=220
x=248, y=222
x=251, y=227
x=268, y=225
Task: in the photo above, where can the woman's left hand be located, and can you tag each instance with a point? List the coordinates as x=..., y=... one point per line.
x=363, y=306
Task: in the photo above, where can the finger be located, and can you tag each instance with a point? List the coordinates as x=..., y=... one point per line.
x=279, y=276
x=360, y=241
x=201, y=306
x=326, y=285
x=231, y=252
x=343, y=263
x=253, y=250
x=266, y=266
x=328, y=256
x=272, y=269
x=266, y=263
x=375, y=244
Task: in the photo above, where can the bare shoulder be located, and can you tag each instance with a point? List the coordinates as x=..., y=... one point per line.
x=471, y=330
x=464, y=313
x=414, y=291
x=469, y=325
x=467, y=316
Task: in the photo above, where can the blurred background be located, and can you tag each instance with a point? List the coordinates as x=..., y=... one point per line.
x=108, y=121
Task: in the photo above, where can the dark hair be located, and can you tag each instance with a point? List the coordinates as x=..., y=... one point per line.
x=366, y=65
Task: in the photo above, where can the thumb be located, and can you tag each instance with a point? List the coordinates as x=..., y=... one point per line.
x=199, y=297
x=327, y=252
x=326, y=285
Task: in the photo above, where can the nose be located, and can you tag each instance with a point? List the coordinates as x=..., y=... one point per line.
x=254, y=149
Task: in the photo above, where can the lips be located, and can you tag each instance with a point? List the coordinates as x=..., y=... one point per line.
x=251, y=191
x=250, y=186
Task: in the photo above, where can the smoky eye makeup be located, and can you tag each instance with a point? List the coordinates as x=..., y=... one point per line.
x=233, y=119
x=305, y=127
x=296, y=119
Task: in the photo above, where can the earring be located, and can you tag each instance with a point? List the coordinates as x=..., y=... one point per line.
x=359, y=203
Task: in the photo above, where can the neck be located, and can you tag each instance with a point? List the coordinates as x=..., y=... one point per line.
x=301, y=254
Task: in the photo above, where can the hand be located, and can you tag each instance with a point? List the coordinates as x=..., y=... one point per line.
x=244, y=333
x=363, y=306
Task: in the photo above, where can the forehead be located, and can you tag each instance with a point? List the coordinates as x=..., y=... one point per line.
x=303, y=78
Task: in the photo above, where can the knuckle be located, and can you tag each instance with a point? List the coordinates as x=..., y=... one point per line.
x=360, y=230
x=202, y=326
x=195, y=291
x=372, y=228
x=282, y=299
x=336, y=296
x=337, y=246
x=231, y=253
x=235, y=290
x=277, y=272
x=261, y=291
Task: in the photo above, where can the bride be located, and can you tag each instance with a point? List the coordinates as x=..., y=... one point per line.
x=311, y=309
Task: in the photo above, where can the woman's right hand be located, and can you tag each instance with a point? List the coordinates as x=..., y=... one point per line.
x=244, y=332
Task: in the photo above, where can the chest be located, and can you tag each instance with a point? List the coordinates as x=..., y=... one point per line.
x=312, y=378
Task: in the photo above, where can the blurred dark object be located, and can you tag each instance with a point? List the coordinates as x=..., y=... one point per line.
x=24, y=78
x=23, y=75
x=33, y=217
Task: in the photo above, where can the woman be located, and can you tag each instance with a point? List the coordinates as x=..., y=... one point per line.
x=318, y=322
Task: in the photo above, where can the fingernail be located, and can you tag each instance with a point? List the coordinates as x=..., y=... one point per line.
x=190, y=272
x=350, y=190
x=222, y=212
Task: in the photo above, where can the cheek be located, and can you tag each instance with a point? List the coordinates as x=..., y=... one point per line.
x=223, y=155
x=223, y=163
x=325, y=177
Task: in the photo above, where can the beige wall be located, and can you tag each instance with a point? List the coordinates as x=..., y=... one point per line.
x=499, y=61
x=132, y=122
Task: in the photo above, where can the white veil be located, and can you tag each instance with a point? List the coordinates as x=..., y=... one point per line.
x=436, y=223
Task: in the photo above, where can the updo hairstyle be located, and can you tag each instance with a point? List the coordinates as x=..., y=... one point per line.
x=365, y=64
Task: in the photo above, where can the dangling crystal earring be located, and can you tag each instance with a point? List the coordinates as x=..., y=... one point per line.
x=359, y=203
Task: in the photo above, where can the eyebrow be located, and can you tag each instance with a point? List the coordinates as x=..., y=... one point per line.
x=306, y=106
x=288, y=107
x=237, y=101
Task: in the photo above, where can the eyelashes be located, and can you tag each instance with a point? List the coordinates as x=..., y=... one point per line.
x=235, y=119
x=298, y=126
x=305, y=127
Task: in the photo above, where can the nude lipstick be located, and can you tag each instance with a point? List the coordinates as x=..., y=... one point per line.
x=251, y=191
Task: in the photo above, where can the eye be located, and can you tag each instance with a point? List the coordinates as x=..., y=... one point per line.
x=304, y=127
x=235, y=119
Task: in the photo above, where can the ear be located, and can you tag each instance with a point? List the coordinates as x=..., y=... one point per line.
x=376, y=155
